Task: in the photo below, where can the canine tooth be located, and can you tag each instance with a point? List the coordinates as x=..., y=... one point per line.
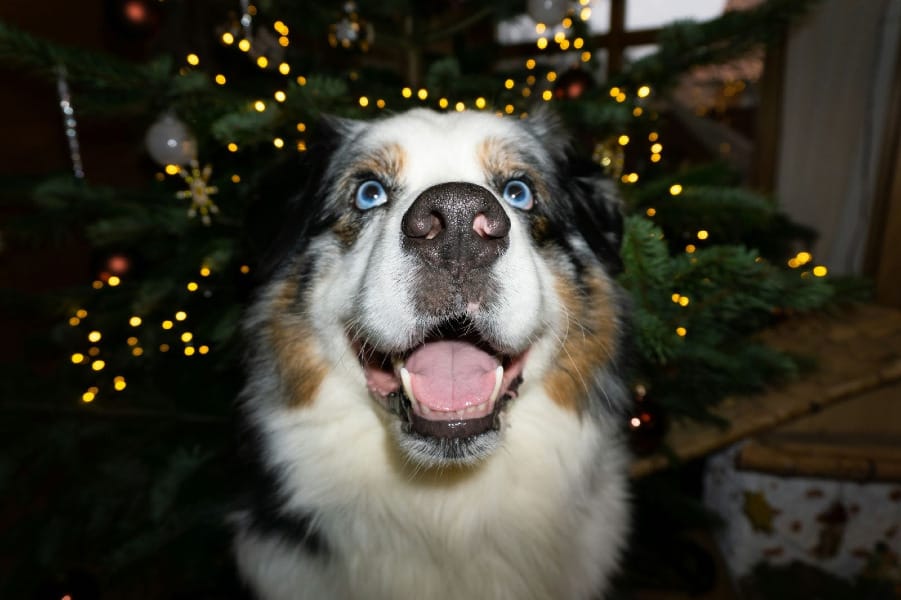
x=408, y=385
x=498, y=379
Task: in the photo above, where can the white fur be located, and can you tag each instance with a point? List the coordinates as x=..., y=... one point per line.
x=543, y=517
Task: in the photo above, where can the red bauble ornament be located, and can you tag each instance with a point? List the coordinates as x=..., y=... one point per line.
x=572, y=84
x=134, y=17
x=646, y=423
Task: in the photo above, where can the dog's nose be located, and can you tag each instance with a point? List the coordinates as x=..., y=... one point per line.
x=456, y=226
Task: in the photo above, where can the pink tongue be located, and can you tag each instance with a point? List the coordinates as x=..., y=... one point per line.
x=448, y=376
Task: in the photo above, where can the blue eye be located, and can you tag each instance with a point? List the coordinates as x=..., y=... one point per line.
x=370, y=194
x=518, y=194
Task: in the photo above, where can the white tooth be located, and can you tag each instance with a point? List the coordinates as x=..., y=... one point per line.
x=460, y=414
x=423, y=408
x=498, y=379
x=408, y=385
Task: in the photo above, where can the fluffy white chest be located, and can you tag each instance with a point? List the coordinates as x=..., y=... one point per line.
x=542, y=518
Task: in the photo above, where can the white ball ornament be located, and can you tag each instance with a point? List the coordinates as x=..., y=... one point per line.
x=169, y=142
x=549, y=12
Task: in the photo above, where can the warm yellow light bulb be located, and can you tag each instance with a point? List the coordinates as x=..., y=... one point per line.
x=193, y=59
x=703, y=234
x=262, y=62
x=284, y=68
x=363, y=101
x=205, y=271
x=541, y=43
x=228, y=39
x=77, y=358
x=113, y=281
x=94, y=336
x=132, y=341
x=167, y=324
x=509, y=84
x=623, y=140
x=192, y=286
x=820, y=271
x=280, y=96
x=203, y=349
x=88, y=397
x=651, y=212
x=681, y=331
x=181, y=315
x=480, y=103
x=406, y=92
x=278, y=143
x=244, y=45
x=232, y=147
x=675, y=189
x=119, y=383
x=98, y=365
x=73, y=321
x=530, y=64
x=189, y=350
x=644, y=91
x=459, y=107
x=187, y=337
x=547, y=95
x=657, y=148
x=220, y=79
x=259, y=106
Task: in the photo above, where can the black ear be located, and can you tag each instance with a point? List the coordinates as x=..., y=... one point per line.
x=305, y=213
x=596, y=211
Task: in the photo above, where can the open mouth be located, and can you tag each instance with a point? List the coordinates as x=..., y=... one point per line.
x=454, y=385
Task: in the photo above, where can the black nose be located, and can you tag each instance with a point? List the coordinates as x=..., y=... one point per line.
x=456, y=226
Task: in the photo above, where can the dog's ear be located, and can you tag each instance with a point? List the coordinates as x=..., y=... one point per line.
x=597, y=211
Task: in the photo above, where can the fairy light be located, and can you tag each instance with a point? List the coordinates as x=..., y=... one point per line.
x=283, y=41
x=98, y=365
x=681, y=331
x=804, y=257
x=244, y=45
x=205, y=271
x=526, y=92
x=235, y=178
x=89, y=396
x=301, y=146
x=459, y=107
x=228, y=39
x=119, y=383
x=690, y=249
x=192, y=286
x=203, y=349
x=509, y=84
x=232, y=147
x=564, y=44
x=278, y=143
x=623, y=140
x=132, y=341
x=422, y=94
x=244, y=269
x=262, y=62
x=137, y=351
x=541, y=43
x=301, y=80
x=547, y=95
x=164, y=347
x=530, y=64
x=284, y=68
x=259, y=106
x=621, y=97
x=683, y=301
x=540, y=28
x=77, y=358
x=113, y=281
x=97, y=284
x=93, y=351
x=655, y=158
x=181, y=315
x=187, y=337
x=94, y=337
x=820, y=271
x=637, y=111
x=301, y=127
x=585, y=13
x=657, y=148
x=167, y=324
x=586, y=56
x=651, y=212
x=73, y=321
x=578, y=43
x=567, y=22
x=643, y=92
x=189, y=350
x=406, y=92
x=193, y=60
x=675, y=297
x=443, y=103
x=363, y=101
x=280, y=96
x=559, y=37
x=703, y=234
x=653, y=136
x=509, y=109
x=380, y=103
x=530, y=80
x=220, y=79
x=481, y=103
x=675, y=189
x=280, y=27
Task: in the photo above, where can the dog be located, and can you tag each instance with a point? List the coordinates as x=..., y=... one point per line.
x=436, y=371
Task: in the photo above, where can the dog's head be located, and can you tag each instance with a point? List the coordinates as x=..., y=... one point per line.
x=447, y=267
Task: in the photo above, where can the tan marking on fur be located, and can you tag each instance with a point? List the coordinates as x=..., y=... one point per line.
x=347, y=229
x=590, y=340
x=300, y=367
x=498, y=160
x=387, y=163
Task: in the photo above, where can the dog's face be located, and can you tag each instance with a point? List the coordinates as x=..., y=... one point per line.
x=450, y=265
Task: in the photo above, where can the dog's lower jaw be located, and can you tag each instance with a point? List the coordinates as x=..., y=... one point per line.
x=430, y=452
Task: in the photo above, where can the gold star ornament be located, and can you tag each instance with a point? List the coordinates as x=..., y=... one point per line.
x=199, y=191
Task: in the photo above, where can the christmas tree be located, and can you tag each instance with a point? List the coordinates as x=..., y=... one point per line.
x=118, y=463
